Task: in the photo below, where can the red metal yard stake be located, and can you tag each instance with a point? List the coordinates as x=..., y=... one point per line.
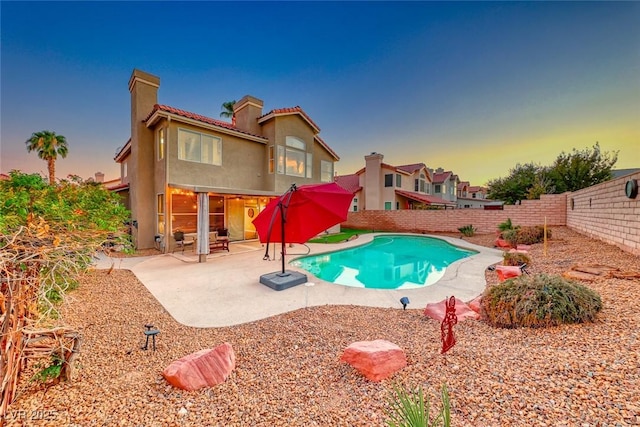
x=446, y=327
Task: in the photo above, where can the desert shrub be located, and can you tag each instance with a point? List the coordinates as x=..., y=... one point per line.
x=467, y=230
x=525, y=235
x=511, y=236
x=539, y=300
x=530, y=235
x=411, y=409
x=507, y=225
x=515, y=258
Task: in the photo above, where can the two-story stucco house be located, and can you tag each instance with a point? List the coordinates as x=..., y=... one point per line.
x=381, y=186
x=445, y=184
x=174, y=155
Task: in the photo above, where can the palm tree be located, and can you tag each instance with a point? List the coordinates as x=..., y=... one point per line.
x=49, y=146
x=227, y=111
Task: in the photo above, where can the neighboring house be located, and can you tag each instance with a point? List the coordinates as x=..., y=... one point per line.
x=478, y=192
x=4, y=176
x=445, y=184
x=173, y=155
x=617, y=173
x=463, y=189
x=473, y=196
x=380, y=186
x=351, y=183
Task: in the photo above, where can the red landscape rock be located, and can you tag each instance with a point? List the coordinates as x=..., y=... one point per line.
x=376, y=360
x=508, y=271
x=474, y=304
x=437, y=310
x=501, y=243
x=204, y=368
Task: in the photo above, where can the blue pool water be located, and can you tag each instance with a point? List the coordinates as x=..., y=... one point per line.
x=388, y=262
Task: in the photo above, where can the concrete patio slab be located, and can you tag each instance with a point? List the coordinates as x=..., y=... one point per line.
x=226, y=291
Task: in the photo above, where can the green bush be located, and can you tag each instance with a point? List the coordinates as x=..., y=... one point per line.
x=467, y=230
x=507, y=225
x=539, y=300
x=525, y=235
x=515, y=259
x=531, y=235
x=409, y=409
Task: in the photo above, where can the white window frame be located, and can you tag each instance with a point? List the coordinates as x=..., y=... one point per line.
x=160, y=214
x=326, y=171
x=272, y=159
x=309, y=165
x=295, y=156
x=280, y=159
x=198, y=153
x=161, y=143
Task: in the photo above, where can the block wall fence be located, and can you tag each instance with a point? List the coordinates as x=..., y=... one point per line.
x=605, y=213
x=612, y=217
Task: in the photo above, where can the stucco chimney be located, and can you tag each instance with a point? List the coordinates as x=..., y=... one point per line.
x=99, y=177
x=144, y=95
x=373, y=181
x=247, y=111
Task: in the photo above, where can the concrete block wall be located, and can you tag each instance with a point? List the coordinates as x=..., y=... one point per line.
x=530, y=212
x=604, y=212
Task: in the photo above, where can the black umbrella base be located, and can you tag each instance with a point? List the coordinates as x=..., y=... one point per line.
x=279, y=281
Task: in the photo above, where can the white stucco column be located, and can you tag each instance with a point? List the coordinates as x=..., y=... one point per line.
x=203, y=227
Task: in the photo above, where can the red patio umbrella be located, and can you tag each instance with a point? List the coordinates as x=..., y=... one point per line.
x=301, y=213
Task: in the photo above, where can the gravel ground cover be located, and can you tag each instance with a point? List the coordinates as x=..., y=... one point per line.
x=288, y=370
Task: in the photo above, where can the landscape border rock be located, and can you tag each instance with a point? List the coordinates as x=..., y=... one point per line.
x=204, y=368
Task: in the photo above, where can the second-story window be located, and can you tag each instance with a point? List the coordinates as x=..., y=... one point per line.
x=437, y=189
x=326, y=171
x=423, y=183
x=199, y=147
x=161, y=144
x=398, y=180
x=295, y=156
x=388, y=180
x=309, y=165
x=272, y=160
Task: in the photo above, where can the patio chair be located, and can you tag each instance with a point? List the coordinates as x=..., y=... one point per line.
x=178, y=236
x=221, y=242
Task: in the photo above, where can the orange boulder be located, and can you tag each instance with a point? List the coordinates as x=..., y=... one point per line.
x=376, y=360
x=204, y=368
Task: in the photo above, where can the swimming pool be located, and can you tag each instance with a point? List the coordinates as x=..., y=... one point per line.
x=387, y=262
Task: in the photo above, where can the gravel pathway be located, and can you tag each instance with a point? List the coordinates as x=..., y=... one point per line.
x=288, y=370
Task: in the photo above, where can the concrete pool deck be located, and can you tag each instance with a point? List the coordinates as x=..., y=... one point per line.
x=225, y=290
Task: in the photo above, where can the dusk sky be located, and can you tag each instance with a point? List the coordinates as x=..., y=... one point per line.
x=471, y=87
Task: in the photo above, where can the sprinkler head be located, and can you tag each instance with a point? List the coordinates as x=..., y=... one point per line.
x=404, y=301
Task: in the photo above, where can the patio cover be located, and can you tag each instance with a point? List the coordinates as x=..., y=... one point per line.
x=425, y=198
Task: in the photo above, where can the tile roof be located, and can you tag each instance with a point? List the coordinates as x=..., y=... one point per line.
x=412, y=167
x=350, y=183
x=4, y=176
x=439, y=177
x=424, y=198
x=287, y=111
x=197, y=117
x=117, y=188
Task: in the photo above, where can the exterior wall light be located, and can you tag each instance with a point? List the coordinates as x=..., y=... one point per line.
x=631, y=188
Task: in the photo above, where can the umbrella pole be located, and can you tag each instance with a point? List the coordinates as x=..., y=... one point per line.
x=282, y=247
